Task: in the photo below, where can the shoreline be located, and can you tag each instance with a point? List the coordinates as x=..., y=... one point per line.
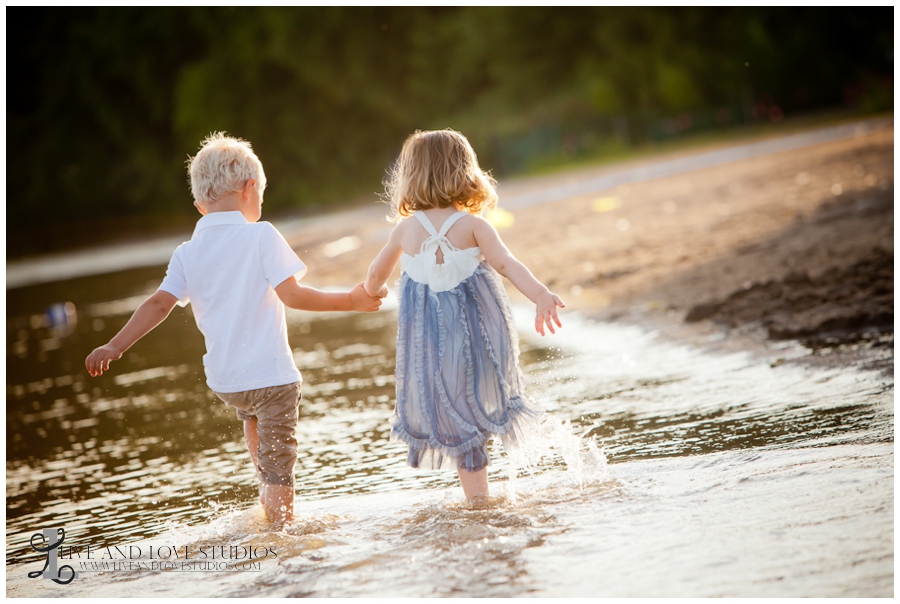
x=515, y=194
x=784, y=239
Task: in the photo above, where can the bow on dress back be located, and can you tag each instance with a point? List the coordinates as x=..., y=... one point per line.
x=457, y=266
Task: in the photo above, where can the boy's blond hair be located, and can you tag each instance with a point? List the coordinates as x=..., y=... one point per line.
x=436, y=169
x=223, y=165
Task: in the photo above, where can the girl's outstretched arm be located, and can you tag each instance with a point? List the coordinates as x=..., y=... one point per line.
x=381, y=268
x=499, y=257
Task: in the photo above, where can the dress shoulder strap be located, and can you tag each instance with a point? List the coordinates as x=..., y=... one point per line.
x=451, y=221
x=426, y=223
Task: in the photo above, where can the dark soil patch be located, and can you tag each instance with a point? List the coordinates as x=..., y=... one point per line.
x=841, y=305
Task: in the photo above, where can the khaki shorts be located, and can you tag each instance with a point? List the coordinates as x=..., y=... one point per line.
x=276, y=410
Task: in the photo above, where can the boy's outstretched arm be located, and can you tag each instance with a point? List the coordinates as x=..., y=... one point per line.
x=293, y=295
x=148, y=315
x=503, y=261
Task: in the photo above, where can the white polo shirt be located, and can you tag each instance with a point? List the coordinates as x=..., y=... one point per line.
x=228, y=272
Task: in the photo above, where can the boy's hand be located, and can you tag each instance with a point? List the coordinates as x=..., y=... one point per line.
x=381, y=293
x=546, y=311
x=361, y=301
x=98, y=361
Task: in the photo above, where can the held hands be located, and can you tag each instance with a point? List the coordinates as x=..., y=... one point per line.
x=98, y=361
x=381, y=293
x=546, y=304
x=361, y=301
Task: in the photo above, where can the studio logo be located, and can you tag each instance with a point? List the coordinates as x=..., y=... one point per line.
x=53, y=538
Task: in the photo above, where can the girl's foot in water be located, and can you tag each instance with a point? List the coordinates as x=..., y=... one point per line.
x=474, y=484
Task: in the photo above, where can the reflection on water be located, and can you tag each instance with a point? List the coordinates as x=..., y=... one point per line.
x=147, y=451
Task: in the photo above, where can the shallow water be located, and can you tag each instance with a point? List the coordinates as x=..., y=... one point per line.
x=666, y=471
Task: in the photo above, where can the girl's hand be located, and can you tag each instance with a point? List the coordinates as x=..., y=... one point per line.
x=98, y=361
x=546, y=311
x=361, y=301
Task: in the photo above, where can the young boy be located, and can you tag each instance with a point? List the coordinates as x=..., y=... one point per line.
x=239, y=274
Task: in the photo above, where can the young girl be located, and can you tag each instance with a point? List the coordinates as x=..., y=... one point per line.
x=458, y=376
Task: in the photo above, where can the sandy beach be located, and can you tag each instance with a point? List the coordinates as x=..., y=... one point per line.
x=796, y=244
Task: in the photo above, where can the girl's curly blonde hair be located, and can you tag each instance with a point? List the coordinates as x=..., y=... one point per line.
x=436, y=169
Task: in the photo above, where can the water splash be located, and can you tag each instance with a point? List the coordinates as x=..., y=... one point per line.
x=553, y=444
x=131, y=458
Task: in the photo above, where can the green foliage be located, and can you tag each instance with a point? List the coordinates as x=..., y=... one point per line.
x=105, y=104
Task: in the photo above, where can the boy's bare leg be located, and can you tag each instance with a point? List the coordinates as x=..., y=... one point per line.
x=279, y=503
x=251, y=435
x=277, y=500
x=474, y=484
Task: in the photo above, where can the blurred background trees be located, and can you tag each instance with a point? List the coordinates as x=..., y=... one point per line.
x=105, y=104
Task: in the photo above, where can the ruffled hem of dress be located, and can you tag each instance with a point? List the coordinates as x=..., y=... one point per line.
x=431, y=459
x=431, y=454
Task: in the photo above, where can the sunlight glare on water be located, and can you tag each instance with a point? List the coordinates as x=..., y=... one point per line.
x=714, y=468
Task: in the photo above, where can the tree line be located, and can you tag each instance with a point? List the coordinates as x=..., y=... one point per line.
x=104, y=104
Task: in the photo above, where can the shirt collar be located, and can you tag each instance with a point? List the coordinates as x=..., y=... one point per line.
x=219, y=218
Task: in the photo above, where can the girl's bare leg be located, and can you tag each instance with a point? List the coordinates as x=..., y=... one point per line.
x=474, y=484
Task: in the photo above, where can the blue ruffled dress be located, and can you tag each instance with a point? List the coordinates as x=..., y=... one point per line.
x=458, y=376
